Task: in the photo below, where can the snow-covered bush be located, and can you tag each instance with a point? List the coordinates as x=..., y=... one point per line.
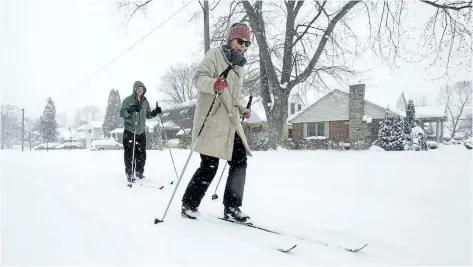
x=376, y=148
x=418, y=139
x=432, y=144
x=315, y=142
x=258, y=140
x=289, y=144
x=391, y=135
x=468, y=143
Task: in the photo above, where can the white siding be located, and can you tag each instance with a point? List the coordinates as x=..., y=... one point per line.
x=331, y=107
x=334, y=107
x=374, y=111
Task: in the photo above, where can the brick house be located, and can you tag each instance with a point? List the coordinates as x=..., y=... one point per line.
x=342, y=118
x=350, y=118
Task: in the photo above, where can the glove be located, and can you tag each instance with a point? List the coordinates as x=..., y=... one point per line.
x=134, y=108
x=156, y=111
x=246, y=113
x=220, y=84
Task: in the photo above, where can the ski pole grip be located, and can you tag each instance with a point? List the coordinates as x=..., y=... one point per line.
x=249, y=102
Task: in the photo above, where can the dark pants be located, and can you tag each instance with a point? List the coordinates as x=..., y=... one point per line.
x=140, y=152
x=233, y=196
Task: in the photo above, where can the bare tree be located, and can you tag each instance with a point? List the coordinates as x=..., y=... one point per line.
x=177, y=84
x=10, y=125
x=317, y=42
x=456, y=98
x=298, y=58
x=32, y=131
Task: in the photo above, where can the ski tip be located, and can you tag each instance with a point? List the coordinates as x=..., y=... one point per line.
x=356, y=249
x=156, y=221
x=129, y=185
x=287, y=250
x=161, y=188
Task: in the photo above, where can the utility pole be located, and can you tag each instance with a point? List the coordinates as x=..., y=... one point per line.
x=22, y=128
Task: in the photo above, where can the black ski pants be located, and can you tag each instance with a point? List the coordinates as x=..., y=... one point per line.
x=140, y=152
x=233, y=196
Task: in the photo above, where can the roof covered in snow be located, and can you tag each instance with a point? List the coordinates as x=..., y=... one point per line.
x=172, y=106
x=397, y=107
x=91, y=125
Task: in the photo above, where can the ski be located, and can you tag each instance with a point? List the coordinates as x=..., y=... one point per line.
x=296, y=237
x=285, y=249
x=144, y=184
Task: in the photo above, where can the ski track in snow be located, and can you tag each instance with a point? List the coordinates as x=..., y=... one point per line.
x=73, y=207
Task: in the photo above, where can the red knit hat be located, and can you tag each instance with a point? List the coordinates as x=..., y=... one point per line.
x=241, y=31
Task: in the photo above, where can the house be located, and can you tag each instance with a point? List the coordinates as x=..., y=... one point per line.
x=179, y=118
x=258, y=121
x=427, y=114
x=71, y=135
x=117, y=133
x=351, y=118
x=89, y=132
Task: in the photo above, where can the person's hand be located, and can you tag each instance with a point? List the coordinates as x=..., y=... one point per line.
x=134, y=108
x=220, y=85
x=246, y=113
x=158, y=110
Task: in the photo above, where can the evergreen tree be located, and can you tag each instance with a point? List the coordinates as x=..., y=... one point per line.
x=157, y=136
x=149, y=138
x=398, y=135
x=409, y=122
x=384, y=132
x=112, y=116
x=48, y=123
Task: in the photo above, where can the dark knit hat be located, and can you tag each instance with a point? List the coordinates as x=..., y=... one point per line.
x=239, y=30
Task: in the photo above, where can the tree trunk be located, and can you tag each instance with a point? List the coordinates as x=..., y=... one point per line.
x=206, y=27
x=277, y=119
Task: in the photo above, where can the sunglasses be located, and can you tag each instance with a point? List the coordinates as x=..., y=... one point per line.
x=241, y=41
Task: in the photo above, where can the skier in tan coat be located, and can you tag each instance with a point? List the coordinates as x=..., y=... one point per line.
x=222, y=136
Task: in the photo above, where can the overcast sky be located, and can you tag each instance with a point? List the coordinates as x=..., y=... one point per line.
x=50, y=47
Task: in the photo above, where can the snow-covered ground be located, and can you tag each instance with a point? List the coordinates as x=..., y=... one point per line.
x=73, y=207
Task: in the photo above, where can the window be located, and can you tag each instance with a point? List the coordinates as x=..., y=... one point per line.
x=315, y=129
x=289, y=133
x=299, y=107
x=293, y=107
x=311, y=129
x=320, y=129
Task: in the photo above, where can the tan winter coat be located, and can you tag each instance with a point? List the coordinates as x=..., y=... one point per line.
x=217, y=137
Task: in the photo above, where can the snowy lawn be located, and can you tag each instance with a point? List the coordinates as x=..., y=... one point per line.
x=73, y=207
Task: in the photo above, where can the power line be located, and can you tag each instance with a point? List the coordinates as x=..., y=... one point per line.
x=137, y=42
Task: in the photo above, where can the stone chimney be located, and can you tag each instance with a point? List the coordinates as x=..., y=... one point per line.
x=359, y=131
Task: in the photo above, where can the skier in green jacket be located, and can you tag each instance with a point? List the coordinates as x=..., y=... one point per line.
x=135, y=110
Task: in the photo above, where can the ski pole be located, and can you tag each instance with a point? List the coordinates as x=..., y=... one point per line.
x=133, y=157
x=215, y=196
x=166, y=140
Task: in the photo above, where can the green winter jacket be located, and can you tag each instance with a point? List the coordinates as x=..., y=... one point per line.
x=134, y=121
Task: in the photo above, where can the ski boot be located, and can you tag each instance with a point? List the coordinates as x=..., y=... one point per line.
x=235, y=214
x=189, y=213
